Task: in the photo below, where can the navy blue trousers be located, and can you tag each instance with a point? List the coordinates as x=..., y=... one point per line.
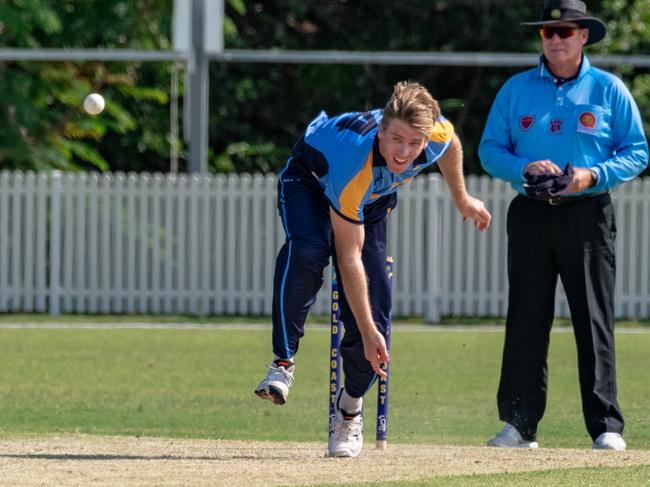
x=576, y=243
x=299, y=266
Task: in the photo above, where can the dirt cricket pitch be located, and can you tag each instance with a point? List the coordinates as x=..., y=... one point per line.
x=113, y=461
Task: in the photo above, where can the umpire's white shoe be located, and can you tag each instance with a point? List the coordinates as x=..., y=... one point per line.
x=276, y=384
x=609, y=441
x=346, y=435
x=509, y=437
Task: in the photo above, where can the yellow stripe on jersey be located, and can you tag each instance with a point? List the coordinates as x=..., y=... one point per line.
x=353, y=193
x=442, y=132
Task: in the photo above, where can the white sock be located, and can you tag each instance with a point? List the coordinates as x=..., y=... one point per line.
x=351, y=405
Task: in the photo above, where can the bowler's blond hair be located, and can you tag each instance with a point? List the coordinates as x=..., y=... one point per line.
x=412, y=103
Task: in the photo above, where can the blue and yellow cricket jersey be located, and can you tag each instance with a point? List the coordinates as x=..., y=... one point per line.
x=342, y=153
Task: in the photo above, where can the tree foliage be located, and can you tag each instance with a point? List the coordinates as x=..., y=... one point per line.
x=43, y=124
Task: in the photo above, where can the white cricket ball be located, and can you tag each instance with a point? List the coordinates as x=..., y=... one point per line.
x=94, y=104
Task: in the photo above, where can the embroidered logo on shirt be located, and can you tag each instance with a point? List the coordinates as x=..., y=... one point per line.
x=556, y=125
x=526, y=122
x=587, y=120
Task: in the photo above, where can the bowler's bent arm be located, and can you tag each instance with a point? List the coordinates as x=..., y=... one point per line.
x=451, y=166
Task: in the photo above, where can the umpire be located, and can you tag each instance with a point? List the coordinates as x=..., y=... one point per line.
x=563, y=135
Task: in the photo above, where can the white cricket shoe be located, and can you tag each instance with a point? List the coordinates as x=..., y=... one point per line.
x=509, y=437
x=276, y=384
x=609, y=441
x=346, y=434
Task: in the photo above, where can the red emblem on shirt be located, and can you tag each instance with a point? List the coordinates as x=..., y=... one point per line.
x=526, y=122
x=587, y=120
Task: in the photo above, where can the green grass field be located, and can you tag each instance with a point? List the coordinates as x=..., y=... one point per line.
x=198, y=383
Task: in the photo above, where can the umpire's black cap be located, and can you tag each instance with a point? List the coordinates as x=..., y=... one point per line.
x=571, y=11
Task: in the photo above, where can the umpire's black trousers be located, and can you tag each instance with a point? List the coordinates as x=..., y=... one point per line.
x=575, y=241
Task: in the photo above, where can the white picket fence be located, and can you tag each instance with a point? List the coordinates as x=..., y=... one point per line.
x=160, y=244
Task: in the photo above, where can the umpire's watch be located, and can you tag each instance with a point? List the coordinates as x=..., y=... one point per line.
x=594, y=177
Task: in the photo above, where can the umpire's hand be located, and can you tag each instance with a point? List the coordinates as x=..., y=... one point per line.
x=543, y=166
x=582, y=179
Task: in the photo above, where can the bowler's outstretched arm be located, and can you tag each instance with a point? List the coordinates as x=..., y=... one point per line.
x=349, y=239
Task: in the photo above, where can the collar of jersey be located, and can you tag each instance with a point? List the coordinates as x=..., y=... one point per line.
x=377, y=159
x=544, y=72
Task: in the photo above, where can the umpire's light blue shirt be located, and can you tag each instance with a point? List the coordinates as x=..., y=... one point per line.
x=591, y=121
